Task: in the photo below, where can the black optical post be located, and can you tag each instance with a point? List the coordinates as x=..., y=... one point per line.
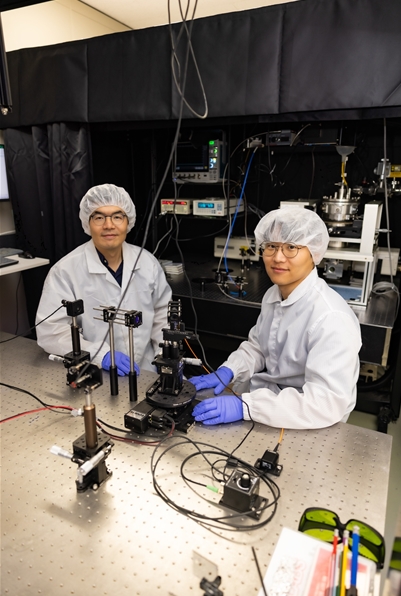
x=109, y=315
x=133, y=319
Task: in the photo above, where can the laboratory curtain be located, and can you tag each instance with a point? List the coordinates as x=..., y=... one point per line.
x=49, y=169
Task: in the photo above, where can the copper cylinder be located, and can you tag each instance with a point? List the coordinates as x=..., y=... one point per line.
x=90, y=426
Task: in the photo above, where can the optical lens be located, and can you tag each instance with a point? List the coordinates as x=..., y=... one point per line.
x=364, y=551
x=324, y=516
x=371, y=544
x=319, y=523
x=320, y=534
x=366, y=532
x=290, y=250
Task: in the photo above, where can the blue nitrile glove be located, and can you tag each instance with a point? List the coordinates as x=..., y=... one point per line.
x=226, y=408
x=211, y=380
x=122, y=363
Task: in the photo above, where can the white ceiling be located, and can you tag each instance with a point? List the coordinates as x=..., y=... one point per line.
x=138, y=14
x=56, y=21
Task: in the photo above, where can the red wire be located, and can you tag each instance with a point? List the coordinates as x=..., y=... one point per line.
x=33, y=412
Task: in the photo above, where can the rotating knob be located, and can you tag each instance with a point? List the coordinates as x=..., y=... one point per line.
x=245, y=481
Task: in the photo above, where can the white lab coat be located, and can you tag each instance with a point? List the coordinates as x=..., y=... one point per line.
x=300, y=363
x=80, y=274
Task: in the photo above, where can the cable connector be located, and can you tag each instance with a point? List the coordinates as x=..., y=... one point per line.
x=232, y=462
x=254, y=142
x=76, y=412
x=216, y=489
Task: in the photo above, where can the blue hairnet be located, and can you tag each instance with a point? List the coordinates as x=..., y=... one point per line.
x=102, y=196
x=297, y=225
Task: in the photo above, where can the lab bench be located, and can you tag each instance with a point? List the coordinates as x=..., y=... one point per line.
x=123, y=538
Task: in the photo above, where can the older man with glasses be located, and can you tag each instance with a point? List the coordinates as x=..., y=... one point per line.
x=110, y=272
x=299, y=366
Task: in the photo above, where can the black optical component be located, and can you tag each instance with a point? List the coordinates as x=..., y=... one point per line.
x=133, y=318
x=269, y=463
x=74, y=308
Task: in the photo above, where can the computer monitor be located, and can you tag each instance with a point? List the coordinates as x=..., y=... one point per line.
x=3, y=176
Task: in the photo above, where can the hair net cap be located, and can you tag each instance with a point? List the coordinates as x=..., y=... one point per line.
x=102, y=196
x=297, y=225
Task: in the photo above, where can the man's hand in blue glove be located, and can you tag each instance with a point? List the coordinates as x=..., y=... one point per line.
x=226, y=408
x=122, y=363
x=219, y=379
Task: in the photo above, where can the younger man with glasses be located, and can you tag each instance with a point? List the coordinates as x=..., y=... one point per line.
x=300, y=363
x=99, y=273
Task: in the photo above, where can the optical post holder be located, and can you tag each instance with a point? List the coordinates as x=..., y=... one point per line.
x=170, y=396
x=170, y=390
x=131, y=319
x=90, y=450
x=76, y=356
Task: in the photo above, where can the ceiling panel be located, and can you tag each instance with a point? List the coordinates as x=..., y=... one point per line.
x=12, y=4
x=138, y=14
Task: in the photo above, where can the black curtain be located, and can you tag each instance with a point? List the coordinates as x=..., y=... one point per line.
x=316, y=56
x=49, y=170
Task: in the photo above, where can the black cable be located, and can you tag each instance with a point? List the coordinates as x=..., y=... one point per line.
x=175, y=59
x=219, y=522
x=49, y=406
x=259, y=572
x=31, y=329
x=204, y=235
x=126, y=431
x=313, y=173
x=130, y=440
x=157, y=194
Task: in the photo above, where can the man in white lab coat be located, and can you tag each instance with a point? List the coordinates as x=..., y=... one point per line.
x=106, y=271
x=300, y=363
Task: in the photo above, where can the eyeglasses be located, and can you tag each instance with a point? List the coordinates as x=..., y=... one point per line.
x=289, y=250
x=321, y=523
x=99, y=218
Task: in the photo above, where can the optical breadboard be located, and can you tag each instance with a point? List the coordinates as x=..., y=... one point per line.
x=238, y=248
x=178, y=206
x=216, y=207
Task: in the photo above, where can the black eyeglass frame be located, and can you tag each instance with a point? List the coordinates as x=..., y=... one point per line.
x=104, y=217
x=379, y=551
x=277, y=248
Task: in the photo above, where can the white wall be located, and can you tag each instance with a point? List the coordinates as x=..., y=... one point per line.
x=54, y=22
